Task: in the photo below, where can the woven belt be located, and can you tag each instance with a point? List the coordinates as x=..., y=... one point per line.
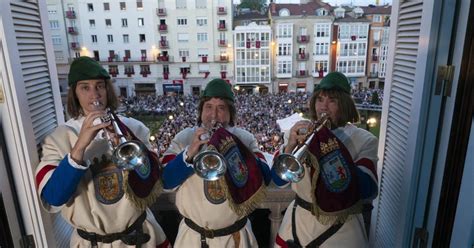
x=133, y=235
x=212, y=233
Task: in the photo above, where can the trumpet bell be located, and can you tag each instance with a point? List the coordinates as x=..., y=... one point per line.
x=210, y=165
x=288, y=168
x=129, y=155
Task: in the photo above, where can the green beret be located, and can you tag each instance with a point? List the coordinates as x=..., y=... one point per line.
x=334, y=81
x=218, y=88
x=84, y=68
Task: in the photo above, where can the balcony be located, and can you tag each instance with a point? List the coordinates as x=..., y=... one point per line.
x=375, y=58
x=204, y=59
x=161, y=12
x=221, y=10
x=163, y=58
x=222, y=43
x=75, y=45
x=72, y=30
x=373, y=75
x=302, y=39
x=164, y=44
x=125, y=59
x=222, y=58
x=70, y=14
x=113, y=72
x=166, y=75
x=302, y=56
x=111, y=58
x=163, y=28
x=143, y=59
x=129, y=72
x=301, y=73
x=221, y=27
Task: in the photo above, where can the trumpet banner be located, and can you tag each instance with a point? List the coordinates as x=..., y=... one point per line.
x=243, y=181
x=333, y=179
x=142, y=185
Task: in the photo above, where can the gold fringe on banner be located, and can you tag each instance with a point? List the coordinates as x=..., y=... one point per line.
x=249, y=205
x=139, y=202
x=323, y=217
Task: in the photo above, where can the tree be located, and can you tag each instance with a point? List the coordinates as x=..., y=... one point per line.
x=252, y=4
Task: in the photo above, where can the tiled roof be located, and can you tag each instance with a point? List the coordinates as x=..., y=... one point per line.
x=384, y=10
x=301, y=9
x=251, y=16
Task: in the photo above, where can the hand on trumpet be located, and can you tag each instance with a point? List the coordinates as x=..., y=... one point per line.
x=89, y=130
x=298, y=135
x=200, y=138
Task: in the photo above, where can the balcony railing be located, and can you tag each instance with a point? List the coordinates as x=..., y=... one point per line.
x=375, y=58
x=301, y=73
x=161, y=12
x=302, y=56
x=222, y=58
x=221, y=27
x=222, y=43
x=72, y=30
x=221, y=10
x=163, y=44
x=303, y=38
x=70, y=14
x=163, y=28
x=204, y=59
x=75, y=45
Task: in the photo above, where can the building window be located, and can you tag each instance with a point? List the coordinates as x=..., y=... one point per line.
x=124, y=22
x=139, y=5
x=54, y=24
x=320, y=65
x=284, y=49
x=182, y=21
x=201, y=4
x=92, y=23
x=125, y=38
x=183, y=37
x=377, y=18
x=183, y=53
x=108, y=23
x=123, y=6
x=322, y=30
x=56, y=39
x=203, y=52
x=90, y=7
x=321, y=48
x=94, y=38
x=201, y=37
x=284, y=30
x=106, y=6
x=110, y=38
x=142, y=37
x=181, y=4
x=201, y=21
x=141, y=22
x=284, y=67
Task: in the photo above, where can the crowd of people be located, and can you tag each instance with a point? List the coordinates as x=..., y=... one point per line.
x=258, y=114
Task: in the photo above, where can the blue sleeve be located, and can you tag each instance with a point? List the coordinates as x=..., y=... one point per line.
x=62, y=184
x=176, y=172
x=265, y=170
x=277, y=180
x=367, y=186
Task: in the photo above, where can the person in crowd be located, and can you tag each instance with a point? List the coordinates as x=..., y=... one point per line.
x=103, y=199
x=215, y=211
x=340, y=172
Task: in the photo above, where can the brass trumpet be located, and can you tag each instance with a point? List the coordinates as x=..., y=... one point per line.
x=289, y=166
x=210, y=165
x=127, y=154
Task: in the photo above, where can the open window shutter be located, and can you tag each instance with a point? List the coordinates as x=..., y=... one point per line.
x=403, y=125
x=33, y=105
x=34, y=68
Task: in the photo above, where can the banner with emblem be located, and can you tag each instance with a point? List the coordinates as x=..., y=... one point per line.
x=333, y=178
x=243, y=181
x=142, y=185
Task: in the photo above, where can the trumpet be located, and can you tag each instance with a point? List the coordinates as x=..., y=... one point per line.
x=209, y=164
x=127, y=154
x=289, y=166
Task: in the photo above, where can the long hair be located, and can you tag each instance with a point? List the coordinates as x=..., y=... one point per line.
x=74, y=108
x=230, y=106
x=347, y=109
